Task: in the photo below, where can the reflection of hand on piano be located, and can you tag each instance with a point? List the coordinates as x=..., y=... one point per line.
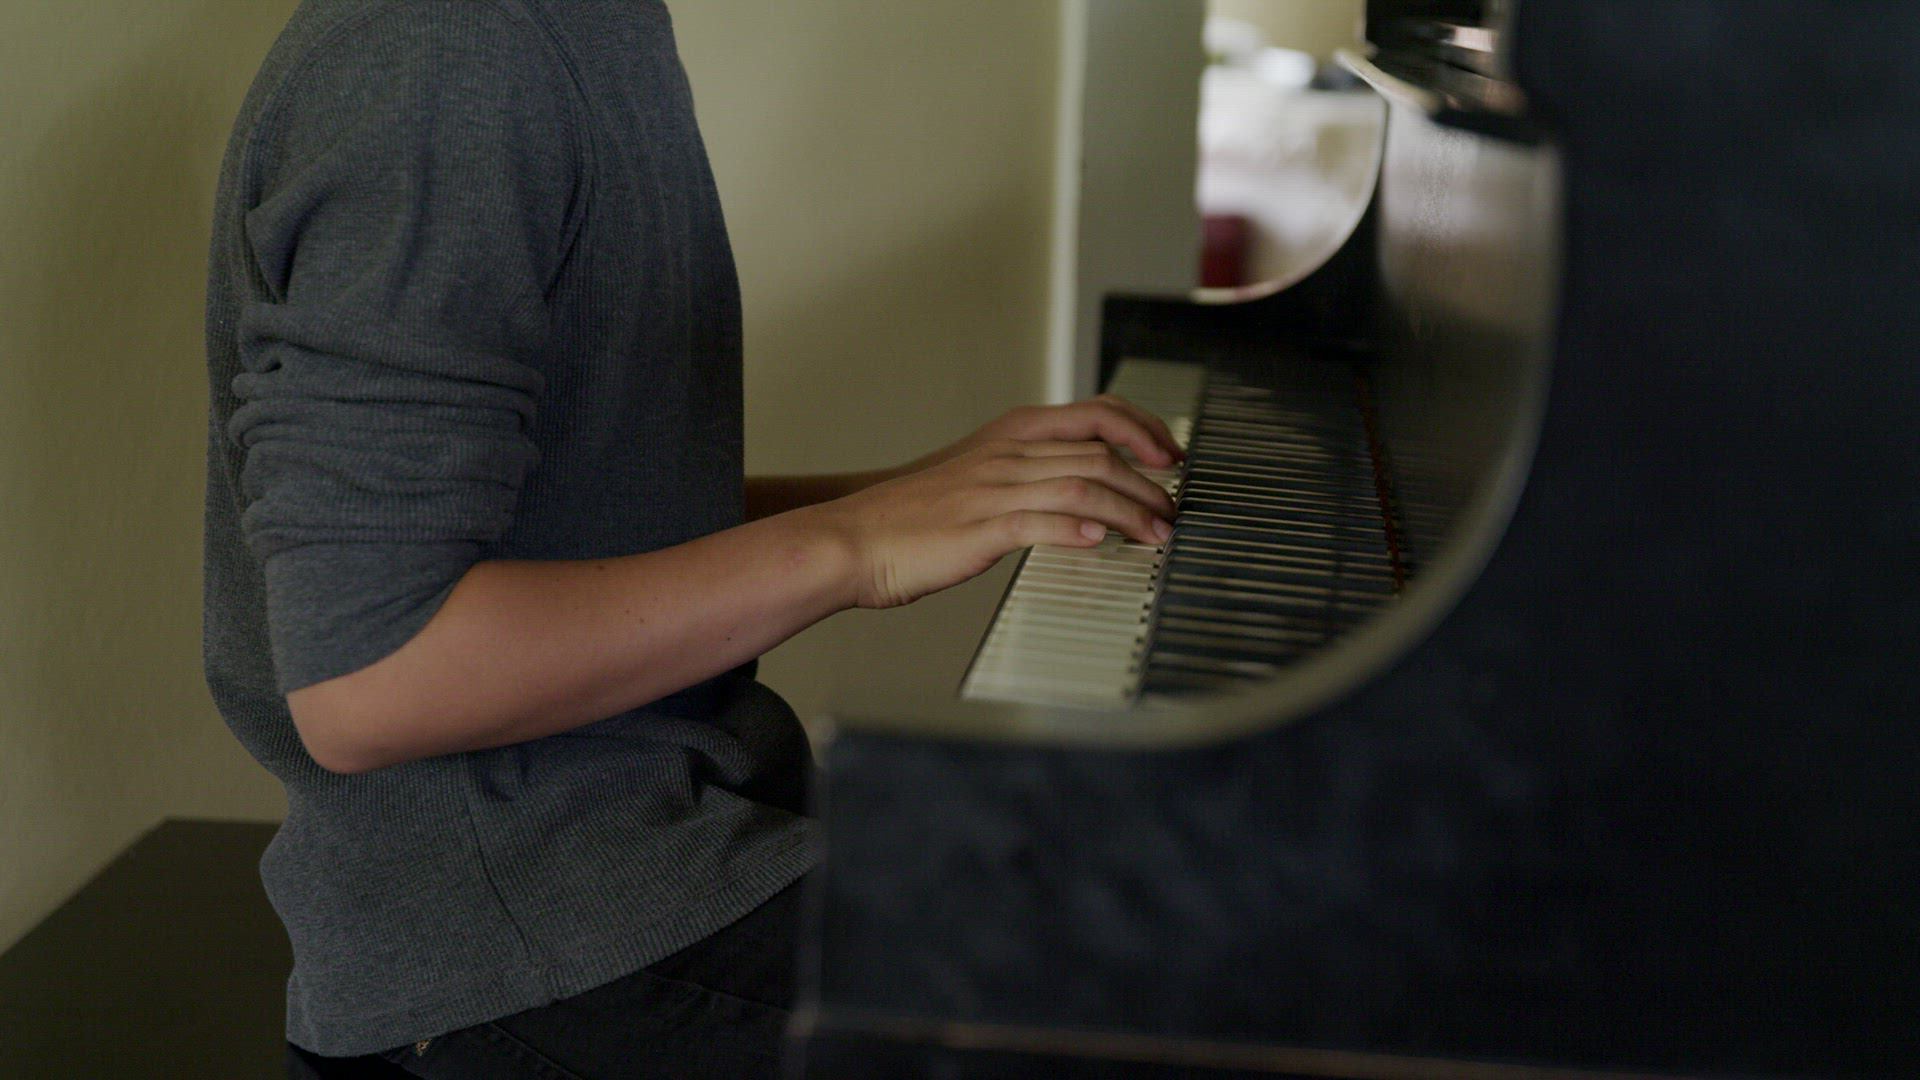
x=934, y=528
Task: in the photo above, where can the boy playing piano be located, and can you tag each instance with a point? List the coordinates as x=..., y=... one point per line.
x=484, y=583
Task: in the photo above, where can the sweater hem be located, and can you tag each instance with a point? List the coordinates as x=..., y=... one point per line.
x=580, y=967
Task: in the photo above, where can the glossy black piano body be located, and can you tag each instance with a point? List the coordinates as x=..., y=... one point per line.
x=1640, y=791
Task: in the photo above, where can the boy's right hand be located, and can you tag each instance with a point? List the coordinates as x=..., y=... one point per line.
x=929, y=530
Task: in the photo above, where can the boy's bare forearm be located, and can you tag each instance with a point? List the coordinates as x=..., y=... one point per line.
x=522, y=650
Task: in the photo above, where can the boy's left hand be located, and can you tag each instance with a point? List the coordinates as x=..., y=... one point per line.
x=1107, y=418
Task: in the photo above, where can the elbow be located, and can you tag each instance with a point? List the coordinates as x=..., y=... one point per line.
x=334, y=732
x=338, y=760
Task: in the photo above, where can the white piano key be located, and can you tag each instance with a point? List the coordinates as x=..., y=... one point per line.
x=1072, y=629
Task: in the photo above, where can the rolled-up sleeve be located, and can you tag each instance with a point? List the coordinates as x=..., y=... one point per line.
x=416, y=202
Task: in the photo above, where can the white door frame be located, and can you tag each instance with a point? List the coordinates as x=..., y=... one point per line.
x=1125, y=158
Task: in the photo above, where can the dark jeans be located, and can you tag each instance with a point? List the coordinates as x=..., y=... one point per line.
x=715, y=1009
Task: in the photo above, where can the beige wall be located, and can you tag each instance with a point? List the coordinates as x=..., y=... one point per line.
x=115, y=116
x=1315, y=26
x=886, y=169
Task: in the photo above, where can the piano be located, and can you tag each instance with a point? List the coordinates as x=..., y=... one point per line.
x=1532, y=686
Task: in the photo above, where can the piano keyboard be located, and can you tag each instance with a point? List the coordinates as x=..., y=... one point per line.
x=1072, y=629
x=1279, y=545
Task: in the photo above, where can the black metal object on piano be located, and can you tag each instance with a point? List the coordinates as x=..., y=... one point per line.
x=1452, y=55
x=1641, y=795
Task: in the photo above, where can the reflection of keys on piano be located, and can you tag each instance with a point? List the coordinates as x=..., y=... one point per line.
x=1279, y=545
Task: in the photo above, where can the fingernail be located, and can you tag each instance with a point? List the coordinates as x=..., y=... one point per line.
x=1162, y=530
x=1093, y=530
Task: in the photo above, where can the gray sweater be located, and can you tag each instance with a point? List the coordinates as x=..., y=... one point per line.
x=471, y=298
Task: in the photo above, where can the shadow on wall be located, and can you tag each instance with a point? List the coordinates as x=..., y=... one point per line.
x=105, y=722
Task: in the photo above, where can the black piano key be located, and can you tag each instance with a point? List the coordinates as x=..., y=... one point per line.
x=1241, y=630
x=1335, y=541
x=1316, y=579
x=1247, y=621
x=1189, y=580
x=1255, y=560
x=1227, y=649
